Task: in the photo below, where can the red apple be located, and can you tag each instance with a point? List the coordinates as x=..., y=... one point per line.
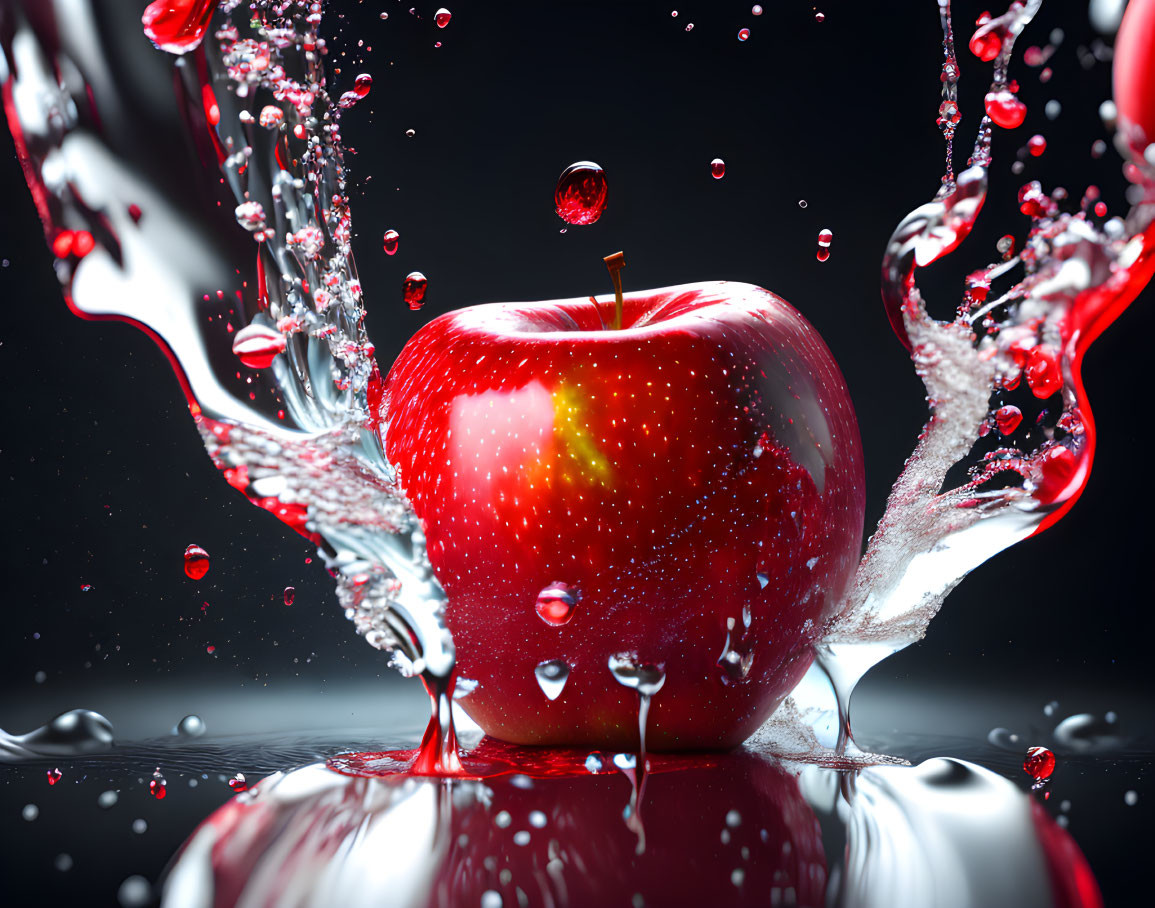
x=686, y=491
x=1133, y=70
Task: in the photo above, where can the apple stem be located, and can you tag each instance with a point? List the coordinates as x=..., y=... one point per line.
x=615, y=263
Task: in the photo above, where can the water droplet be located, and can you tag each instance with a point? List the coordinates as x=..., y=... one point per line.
x=1036, y=145
x=30, y=812
x=158, y=786
x=743, y=34
x=820, y=17
x=756, y=10
x=689, y=26
x=717, y=168
x=1086, y=732
x=825, y=237
x=987, y=40
x=491, y=898
x=410, y=133
x=1004, y=738
x=290, y=595
x=271, y=116
x=1130, y=798
x=537, y=819
x=63, y=862
x=390, y=241
x=1007, y=419
x=140, y=826
x=191, y=726
x=413, y=290
x=196, y=562
x=1005, y=109
x=107, y=799
x=257, y=346
x=362, y=85
x=579, y=197
x=442, y=17
x=626, y=762
x=177, y=27
x=238, y=783
x=556, y=603
x=251, y=216
x=594, y=763
x=1043, y=373
x=551, y=677
x=134, y=892
x=646, y=679
x=1039, y=764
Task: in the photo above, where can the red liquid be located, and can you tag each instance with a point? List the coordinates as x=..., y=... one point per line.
x=413, y=290
x=196, y=562
x=1005, y=109
x=580, y=195
x=177, y=26
x=1039, y=764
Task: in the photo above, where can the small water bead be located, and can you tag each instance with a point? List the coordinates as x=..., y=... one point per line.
x=413, y=290
x=1051, y=706
x=491, y=898
x=689, y=26
x=820, y=17
x=196, y=562
x=30, y=812
x=743, y=34
x=1036, y=145
x=1007, y=419
x=290, y=595
x=1039, y=763
x=645, y=678
x=594, y=763
x=802, y=203
x=63, y=862
x=1006, y=246
x=410, y=133
x=158, y=786
x=1101, y=209
x=107, y=799
x=756, y=10
x=362, y=85
x=442, y=17
x=579, y=197
x=1003, y=738
x=1043, y=372
x=140, y=826
x=238, y=783
x=1087, y=732
x=551, y=677
x=53, y=776
x=256, y=346
x=1052, y=109
x=717, y=168
x=390, y=241
x=987, y=40
x=1005, y=109
x=555, y=604
x=1098, y=148
x=134, y=892
x=271, y=116
x=1131, y=798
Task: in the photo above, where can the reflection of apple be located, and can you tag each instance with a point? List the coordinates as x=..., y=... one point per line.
x=687, y=490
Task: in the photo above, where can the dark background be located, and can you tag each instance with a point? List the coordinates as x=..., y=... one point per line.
x=105, y=480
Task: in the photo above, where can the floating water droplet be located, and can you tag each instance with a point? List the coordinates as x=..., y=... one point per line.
x=390, y=241
x=196, y=562
x=107, y=799
x=756, y=10
x=579, y=197
x=63, y=862
x=134, y=892
x=251, y=216
x=140, y=826
x=717, y=168
x=1036, y=145
x=410, y=133
x=987, y=40
x=551, y=677
x=1130, y=798
x=1052, y=109
x=177, y=27
x=290, y=595
x=820, y=17
x=271, y=116
x=238, y=783
x=1043, y=373
x=257, y=346
x=743, y=34
x=442, y=17
x=191, y=726
x=362, y=85
x=802, y=203
x=1004, y=738
x=53, y=776
x=413, y=290
x=158, y=786
x=1005, y=109
x=1051, y=706
x=689, y=26
x=1039, y=763
x=645, y=678
x=625, y=762
x=491, y=898
x=1007, y=419
x=556, y=603
x=30, y=812
x=1087, y=732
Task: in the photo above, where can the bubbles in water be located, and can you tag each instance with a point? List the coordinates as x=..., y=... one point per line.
x=134, y=892
x=140, y=826
x=390, y=241
x=580, y=195
x=256, y=346
x=743, y=34
x=30, y=812
x=551, y=677
x=191, y=726
x=442, y=17
x=413, y=290
x=238, y=783
x=158, y=786
x=196, y=562
x=556, y=603
x=290, y=595
x=1005, y=109
x=63, y=862
x=717, y=168
x=1039, y=763
x=53, y=776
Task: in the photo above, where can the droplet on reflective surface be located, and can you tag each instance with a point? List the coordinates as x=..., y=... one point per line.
x=196, y=562
x=1004, y=738
x=53, y=776
x=718, y=168
x=238, y=783
x=413, y=289
x=579, y=197
x=1005, y=109
x=290, y=595
x=1039, y=764
x=258, y=345
x=743, y=34
x=551, y=677
x=190, y=726
x=390, y=241
x=556, y=603
x=645, y=678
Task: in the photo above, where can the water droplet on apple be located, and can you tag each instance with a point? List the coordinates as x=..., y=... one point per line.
x=191, y=726
x=290, y=595
x=556, y=603
x=580, y=195
x=763, y=580
x=551, y=677
x=258, y=345
x=717, y=168
x=413, y=289
x=442, y=17
x=628, y=671
x=196, y=562
x=390, y=242
x=743, y=34
x=1039, y=763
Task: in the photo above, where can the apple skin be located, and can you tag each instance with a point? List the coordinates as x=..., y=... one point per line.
x=1133, y=69
x=538, y=446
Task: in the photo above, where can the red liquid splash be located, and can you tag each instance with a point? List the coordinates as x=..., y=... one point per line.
x=177, y=26
x=196, y=562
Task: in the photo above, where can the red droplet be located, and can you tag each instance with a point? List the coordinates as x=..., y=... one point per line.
x=86, y=588
x=196, y=562
x=717, y=168
x=210, y=649
x=1036, y=145
x=1005, y=109
x=158, y=788
x=442, y=17
x=134, y=212
x=580, y=195
x=556, y=603
x=53, y=776
x=177, y=26
x=82, y=243
x=743, y=34
x=1044, y=375
x=290, y=595
x=257, y=346
x=62, y=244
x=1008, y=418
x=1055, y=472
x=822, y=254
x=1101, y=209
x=390, y=241
x=987, y=40
x=413, y=289
x=362, y=84
x=238, y=783
x=1039, y=764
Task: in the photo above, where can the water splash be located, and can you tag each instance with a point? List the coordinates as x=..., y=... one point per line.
x=71, y=734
